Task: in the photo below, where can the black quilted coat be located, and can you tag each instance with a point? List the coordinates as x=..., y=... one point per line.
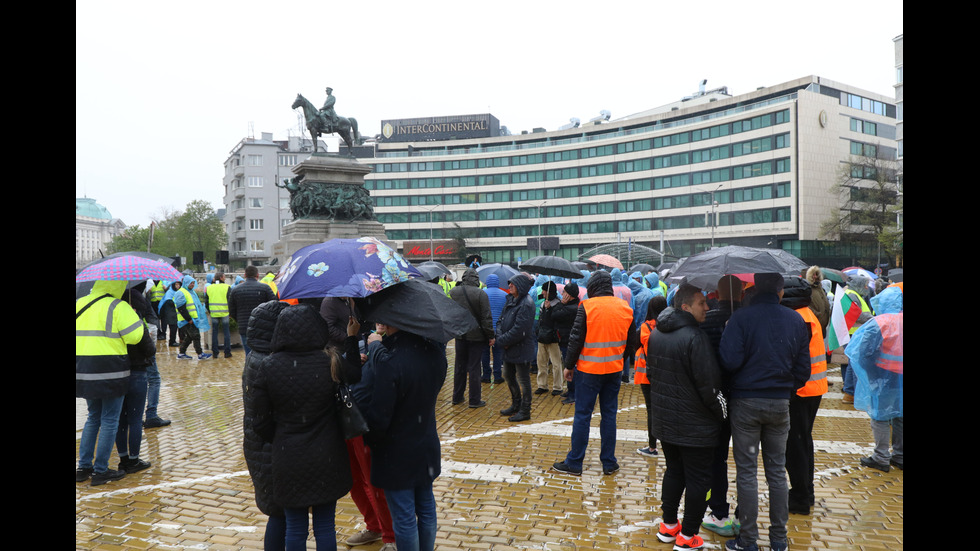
x=296, y=410
x=686, y=405
x=258, y=452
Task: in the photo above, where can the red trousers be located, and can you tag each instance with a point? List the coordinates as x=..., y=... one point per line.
x=370, y=501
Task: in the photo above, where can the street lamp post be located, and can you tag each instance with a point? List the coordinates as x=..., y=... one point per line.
x=713, y=220
x=539, y=207
x=429, y=210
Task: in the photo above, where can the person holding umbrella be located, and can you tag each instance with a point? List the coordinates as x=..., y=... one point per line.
x=516, y=336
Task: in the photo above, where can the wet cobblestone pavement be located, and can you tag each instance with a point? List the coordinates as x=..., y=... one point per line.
x=496, y=491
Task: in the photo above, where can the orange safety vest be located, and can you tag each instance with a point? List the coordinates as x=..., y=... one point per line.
x=891, y=326
x=640, y=361
x=817, y=384
x=609, y=320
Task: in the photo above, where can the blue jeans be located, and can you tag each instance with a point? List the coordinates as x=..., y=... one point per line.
x=413, y=517
x=99, y=433
x=216, y=325
x=130, y=432
x=588, y=387
x=245, y=343
x=762, y=421
x=298, y=527
x=152, y=389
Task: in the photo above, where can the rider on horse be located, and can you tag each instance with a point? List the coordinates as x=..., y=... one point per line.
x=327, y=114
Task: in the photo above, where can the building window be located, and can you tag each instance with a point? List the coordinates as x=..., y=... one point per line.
x=254, y=160
x=256, y=224
x=255, y=181
x=256, y=246
x=287, y=160
x=255, y=202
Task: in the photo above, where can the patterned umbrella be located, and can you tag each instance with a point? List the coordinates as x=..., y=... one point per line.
x=342, y=268
x=127, y=268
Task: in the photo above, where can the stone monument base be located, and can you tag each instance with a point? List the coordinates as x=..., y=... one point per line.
x=300, y=233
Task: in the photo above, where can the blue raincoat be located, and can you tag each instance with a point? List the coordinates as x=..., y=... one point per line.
x=880, y=392
x=180, y=299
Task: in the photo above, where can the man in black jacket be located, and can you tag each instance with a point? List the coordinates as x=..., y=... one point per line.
x=470, y=347
x=244, y=298
x=686, y=411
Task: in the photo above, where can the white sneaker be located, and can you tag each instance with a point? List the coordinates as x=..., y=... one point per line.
x=362, y=537
x=388, y=547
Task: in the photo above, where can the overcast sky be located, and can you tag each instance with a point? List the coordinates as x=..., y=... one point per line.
x=164, y=91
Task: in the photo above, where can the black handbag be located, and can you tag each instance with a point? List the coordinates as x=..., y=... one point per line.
x=352, y=423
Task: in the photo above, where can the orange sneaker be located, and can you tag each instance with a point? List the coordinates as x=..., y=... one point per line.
x=667, y=535
x=683, y=542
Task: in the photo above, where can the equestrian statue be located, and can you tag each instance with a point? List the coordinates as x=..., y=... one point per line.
x=326, y=121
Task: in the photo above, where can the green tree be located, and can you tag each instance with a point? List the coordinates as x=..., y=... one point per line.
x=868, y=186
x=177, y=233
x=135, y=238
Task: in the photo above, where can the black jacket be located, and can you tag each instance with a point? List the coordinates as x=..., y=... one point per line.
x=686, y=403
x=515, y=328
x=467, y=293
x=244, y=297
x=258, y=452
x=296, y=409
x=563, y=316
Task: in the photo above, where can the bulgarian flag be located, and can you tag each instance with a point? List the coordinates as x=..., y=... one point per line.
x=844, y=312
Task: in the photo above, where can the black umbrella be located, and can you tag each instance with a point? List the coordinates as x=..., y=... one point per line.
x=418, y=307
x=579, y=265
x=430, y=272
x=551, y=265
x=642, y=268
x=704, y=269
x=433, y=265
x=85, y=287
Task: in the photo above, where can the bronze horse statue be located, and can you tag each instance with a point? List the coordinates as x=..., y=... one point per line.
x=346, y=127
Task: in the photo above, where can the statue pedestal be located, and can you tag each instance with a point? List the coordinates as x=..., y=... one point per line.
x=329, y=170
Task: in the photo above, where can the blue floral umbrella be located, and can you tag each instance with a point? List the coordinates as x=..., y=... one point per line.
x=342, y=268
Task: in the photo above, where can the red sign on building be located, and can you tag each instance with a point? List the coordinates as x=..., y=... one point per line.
x=441, y=250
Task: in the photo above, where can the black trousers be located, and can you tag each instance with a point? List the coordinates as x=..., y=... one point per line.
x=469, y=357
x=799, y=450
x=688, y=473
x=518, y=377
x=190, y=334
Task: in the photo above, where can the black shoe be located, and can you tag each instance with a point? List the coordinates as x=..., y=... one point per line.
x=457, y=402
x=155, y=422
x=510, y=411
x=610, y=470
x=541, y=391
x=563, y=467
x=227, y=354
x=897, y=464
x=498, y=382
x=555, y=392
x=568, y=400
x=131, y=466
x=108, y=476
x=519, y=416
x=485, y=381
x=81, y=475
x=564, y=394
x=478, y=405
x=799, y=509
x=868, y=462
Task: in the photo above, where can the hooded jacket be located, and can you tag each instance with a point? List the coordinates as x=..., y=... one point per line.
x=497, y=296
x=296, y=410
x=641, y=301
x=258, y=452
x=102, y=332
x=876, y=355
x=467, y=293
x=515, y=327
x=686, y=403
x=189, y=305
x=600, y=285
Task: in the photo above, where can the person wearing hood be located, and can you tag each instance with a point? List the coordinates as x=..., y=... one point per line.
x=470, y=346
x=104, y=327
x=853, y=313
x=876, y=356
x=803, y=406
x=655, y=284
x=515, y=335
x=687, y=409
x=549, y=352
x=192, y=318
x=258, y=452
x=602, y=337
x=168, y=313
x=296, y=410
x=819, y=302
x=563, y=316
x=497, y=297
x=620, y=289
x=766, y=348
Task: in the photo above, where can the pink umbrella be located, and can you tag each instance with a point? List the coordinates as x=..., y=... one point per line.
x=607, y=260
x=128, y=268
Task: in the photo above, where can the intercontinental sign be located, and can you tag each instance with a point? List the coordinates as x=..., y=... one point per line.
x=440, y=128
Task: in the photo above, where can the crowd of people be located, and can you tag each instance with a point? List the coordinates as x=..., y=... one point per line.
x=744, y=363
